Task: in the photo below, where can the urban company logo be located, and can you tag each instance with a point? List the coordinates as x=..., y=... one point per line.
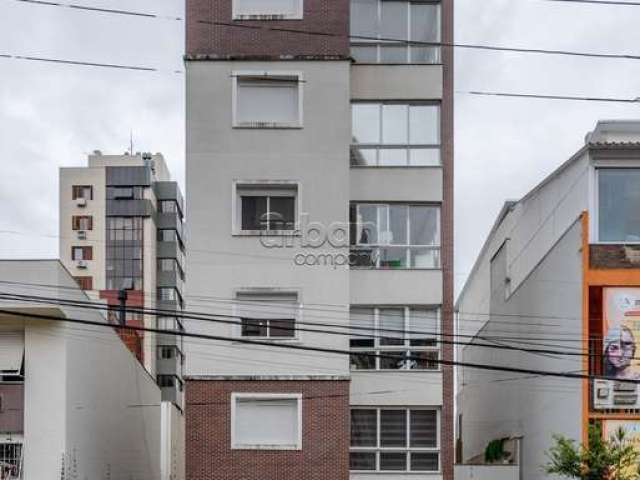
x=317, y=236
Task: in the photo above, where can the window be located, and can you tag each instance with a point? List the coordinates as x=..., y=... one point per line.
x=400, y=440
x=11, y=352
x=266, y=421
x=11, y=460
x=618, y=205
x=405, y=338
x=82, y=191
x=395, y=236
x=81, y=253
x=170, y=265
x=267, y=9
x=268, y=315
x=388, y=29
x=125, y=193
x=82, y=222
x=395, y=134
x=85, y=283
x=269, y=208
x=167, y=353
x=166, y=381
x=265, y=100
x=169, y=323
x=124, y=251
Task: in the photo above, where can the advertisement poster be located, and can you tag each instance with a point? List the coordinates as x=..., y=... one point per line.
x=621, y=332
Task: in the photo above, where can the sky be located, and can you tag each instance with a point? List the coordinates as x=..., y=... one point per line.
x=54, y=115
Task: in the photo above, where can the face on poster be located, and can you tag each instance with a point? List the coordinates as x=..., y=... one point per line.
x=621, y=332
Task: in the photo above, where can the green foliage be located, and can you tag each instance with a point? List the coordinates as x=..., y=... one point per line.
x=601, y=459
x=495, y=451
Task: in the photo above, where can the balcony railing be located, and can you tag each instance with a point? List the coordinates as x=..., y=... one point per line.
x=395, y=257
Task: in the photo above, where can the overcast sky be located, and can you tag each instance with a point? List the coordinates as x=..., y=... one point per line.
x=54, y=115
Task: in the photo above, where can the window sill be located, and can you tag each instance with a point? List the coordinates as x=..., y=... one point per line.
x=266, y=447
x=268, y=126
x=396, y=472
x=397, y=269
x=395, y=167
x=267, y=17
x=396, y=370
x=266, y=233
x=288, y=341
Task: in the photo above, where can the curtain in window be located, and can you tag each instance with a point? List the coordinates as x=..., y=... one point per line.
x=267, y=100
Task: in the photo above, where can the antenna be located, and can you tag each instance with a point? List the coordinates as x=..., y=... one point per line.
x=131, y=142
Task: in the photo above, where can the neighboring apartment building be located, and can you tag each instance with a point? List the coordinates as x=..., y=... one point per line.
x=121, y=232
x=560, y=270
x=74, y=401
x=319, y=184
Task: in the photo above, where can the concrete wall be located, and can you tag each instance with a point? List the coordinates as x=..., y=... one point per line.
x=172, y=443
x=396, y=82
x=317, y=157
x=494, y=405
x=486, y=472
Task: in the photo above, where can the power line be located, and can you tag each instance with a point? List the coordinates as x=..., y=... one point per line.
x=114, y=11
x=289, y=346
x=551, y=97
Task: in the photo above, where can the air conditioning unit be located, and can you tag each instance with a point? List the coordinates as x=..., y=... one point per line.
x=81, y=202
x=611, y=394
x=81, y=264
x=82, y=235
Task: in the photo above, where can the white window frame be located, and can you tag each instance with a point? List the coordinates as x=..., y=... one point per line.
x=264, y=187
x=265, y=396
x=297, y=15
x=594, y=181
x=239, y=74
x=379, y=349
x=408, y=449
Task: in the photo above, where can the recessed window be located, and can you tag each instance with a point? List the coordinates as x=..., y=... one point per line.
x=394, y=338
x=266, y=421
x=85, y=283
x=271, y=208
x=400, y=440
x=395, y=134
x=266, y=100
x=267, y=315
x=395, y=236
x=82, y=222
x=619, y=205
x=82, y=191
x=395, y=31
x=267, y=9
x=81, y=253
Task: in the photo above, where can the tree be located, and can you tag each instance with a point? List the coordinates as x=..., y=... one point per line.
x=601, y=459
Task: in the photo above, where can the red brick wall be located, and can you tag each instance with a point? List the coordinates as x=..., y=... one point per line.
x=325, y=433
x=134, y=340
x=221, y=41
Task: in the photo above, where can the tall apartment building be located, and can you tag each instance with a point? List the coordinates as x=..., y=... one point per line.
x=559, y=271
x=121, y=228
x=319, y=193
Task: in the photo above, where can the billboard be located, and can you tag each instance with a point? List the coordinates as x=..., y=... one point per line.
x=621, y=325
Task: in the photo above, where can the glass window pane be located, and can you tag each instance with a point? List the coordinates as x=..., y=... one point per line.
x=363, y=428
x=393, y=428
x=282, y=213
x=424, y=125
x=393, y=257
x=391, y=360
x=254, y=328
x=395, y=20
x=397, y=234
x=425, y=55
x=424, y=225
x=425, y=22
x=391, y=325
x=421, y=360
x=364, y=157
x=282, y=328
x=365, y=54
x=619, y=200
x=393, y=54
x=393, y=157
x=364, y=18
x=367, y=224
x=362, y=361
x=424, y=429
x=365, y=123
x=423, y=326
x=393, y=461
x=424, y=157
x=425, y=461
x=425, y=257
x=362, y=461
x=267, y=101
x=254, y=210
x=394, y=124
x=362, y=321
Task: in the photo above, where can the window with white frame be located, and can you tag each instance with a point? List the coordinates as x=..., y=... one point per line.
x=266, y=207
x=395, y=134
x=267, y=315
x=392, y=236
x=385, y=31
x=394, y=440
x=395, y=338
x=266, y=421
x=618, y=205
x=267, y=9
x=267, y=100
